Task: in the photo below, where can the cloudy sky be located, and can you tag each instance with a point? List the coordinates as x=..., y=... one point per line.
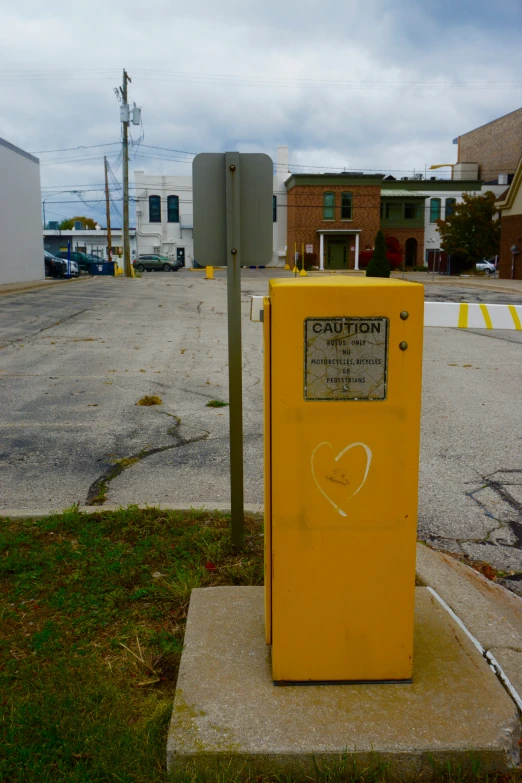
x=358, y=84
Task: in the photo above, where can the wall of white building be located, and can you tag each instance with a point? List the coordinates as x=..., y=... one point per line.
x=431, y=234
x=21, y=246
x=169, y=238
x=281, y=174
x=166, y=238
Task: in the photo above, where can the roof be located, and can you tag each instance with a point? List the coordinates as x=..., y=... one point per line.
x=9, y=146
x=386, y=193
x=486, y=123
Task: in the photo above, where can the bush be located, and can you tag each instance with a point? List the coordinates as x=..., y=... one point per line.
x=379, y=265
x=393, y=254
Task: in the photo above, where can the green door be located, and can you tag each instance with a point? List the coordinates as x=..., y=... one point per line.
x=336, y=255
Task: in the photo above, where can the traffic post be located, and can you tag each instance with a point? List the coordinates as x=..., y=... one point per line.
x=233, y=226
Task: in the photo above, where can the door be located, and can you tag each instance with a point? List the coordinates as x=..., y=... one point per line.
x=411, y=252
x=180, y=256
x=336, y=254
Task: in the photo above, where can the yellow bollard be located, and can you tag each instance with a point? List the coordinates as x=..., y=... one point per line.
x=303, y=272
x=209, y=273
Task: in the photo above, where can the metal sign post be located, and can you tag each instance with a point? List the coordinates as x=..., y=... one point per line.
x=235, y=380
x=233, y=225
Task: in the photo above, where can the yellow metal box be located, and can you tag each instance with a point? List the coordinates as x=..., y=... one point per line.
x=342, y=423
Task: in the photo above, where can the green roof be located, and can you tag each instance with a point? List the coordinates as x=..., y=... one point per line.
x=385, y=193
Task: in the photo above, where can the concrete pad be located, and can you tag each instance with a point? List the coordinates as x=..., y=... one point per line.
x=227, y=710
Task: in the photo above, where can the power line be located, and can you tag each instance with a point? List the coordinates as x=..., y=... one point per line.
x=80, y=147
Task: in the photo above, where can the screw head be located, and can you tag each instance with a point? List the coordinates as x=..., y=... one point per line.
x=405, y=315
x=232, y=167
x=403, y=346
x=233, y=251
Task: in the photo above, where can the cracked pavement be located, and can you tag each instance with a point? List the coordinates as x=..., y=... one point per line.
x=75, y=360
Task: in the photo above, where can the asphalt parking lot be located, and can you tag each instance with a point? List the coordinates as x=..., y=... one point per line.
x=76, y=358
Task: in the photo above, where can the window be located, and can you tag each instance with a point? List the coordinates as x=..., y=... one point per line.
x=450, y=207
x=173, y=209
x=346, y=206
x=328, y=206
x=393, y=211
x=274, y=209
x=434, y=210
x=154, y=209
x=411, y=211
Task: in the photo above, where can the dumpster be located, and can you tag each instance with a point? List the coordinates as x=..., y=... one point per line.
x=102, y=268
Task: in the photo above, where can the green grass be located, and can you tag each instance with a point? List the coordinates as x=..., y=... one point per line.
x=92, y=617
x=92, y=611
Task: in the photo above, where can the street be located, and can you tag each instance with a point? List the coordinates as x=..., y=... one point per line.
x=75, y=360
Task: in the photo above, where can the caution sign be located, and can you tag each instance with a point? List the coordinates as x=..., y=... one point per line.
x=345, y=358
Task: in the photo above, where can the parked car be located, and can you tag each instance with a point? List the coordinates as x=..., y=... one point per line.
x=57, y=267
x=82, y=259
x=150, y=262
x=489, y=266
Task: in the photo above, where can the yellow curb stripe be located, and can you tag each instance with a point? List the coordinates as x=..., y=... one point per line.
x=463, y=316
x=487, y=319
x=516, y=319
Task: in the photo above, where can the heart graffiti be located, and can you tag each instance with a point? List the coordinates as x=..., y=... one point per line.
x=341, y=478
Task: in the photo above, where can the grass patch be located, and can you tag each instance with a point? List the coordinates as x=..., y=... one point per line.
x=93, y=611
x=216, y=404
x=150, y=399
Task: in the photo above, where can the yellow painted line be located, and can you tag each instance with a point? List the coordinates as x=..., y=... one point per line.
x=516, y=319
x=487, y=318
x=463, y=316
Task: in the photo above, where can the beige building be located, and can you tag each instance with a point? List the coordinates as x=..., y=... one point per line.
x=496, y=147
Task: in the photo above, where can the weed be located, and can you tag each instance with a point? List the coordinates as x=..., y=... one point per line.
x=216, y=404
x=150, y=400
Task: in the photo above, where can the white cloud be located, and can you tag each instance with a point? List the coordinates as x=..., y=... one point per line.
x=346, y=83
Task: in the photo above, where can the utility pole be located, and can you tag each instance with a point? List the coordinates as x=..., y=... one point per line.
x=108, y=212
x=125, y=117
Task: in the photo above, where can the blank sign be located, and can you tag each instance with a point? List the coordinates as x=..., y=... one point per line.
x=252, y=183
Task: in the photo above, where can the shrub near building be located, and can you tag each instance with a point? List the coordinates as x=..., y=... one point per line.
x=394, y=254
x=379, y=265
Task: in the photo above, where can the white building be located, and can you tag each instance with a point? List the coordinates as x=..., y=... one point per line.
x=164, y=214
x=21, y=246
x=91, y=241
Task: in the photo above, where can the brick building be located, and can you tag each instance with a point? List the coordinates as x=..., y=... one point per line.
x=496, y=147
x=338, y=215
x=510, y=208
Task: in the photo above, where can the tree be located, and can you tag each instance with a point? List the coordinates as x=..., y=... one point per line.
x=69, y=223
x=472, y=231
x=379, y=266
